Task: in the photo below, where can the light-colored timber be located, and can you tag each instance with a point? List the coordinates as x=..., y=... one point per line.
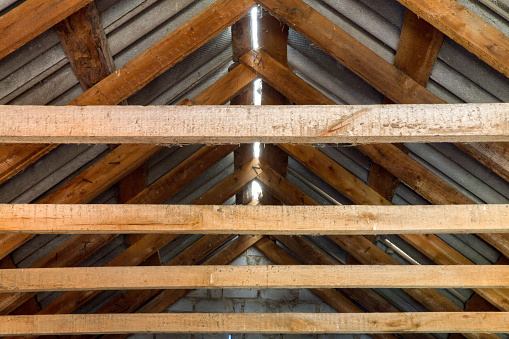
x=270, y=124
x=435, y=322
x=216, y=219
x=253, y=276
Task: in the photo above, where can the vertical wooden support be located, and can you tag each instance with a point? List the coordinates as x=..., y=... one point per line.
x=84, y=42
x=273, y=39
x=417, y=52
x=241, y=44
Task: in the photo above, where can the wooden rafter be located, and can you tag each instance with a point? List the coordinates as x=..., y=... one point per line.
x=466, y=28
x=386, y=78
x=164, y=54
x=30, y=19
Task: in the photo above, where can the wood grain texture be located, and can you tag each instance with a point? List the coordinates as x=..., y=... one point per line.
x=383, y=76
x=279, y=124
x=493, y=155
x=166, y=53
x=28, y=20
x=15, y=158
x=422, y=322
x=334, y=174
x=183, y=174
x=226, y=88
x=253, y=276
x=466, y=28
x=414, y=174
x=84, y=42
x=252, y=219
x=282, y=79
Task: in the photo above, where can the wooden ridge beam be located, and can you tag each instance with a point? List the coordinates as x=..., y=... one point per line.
x=28, y=20
x=270, y=124
x=421, y=322
x=466, y=28
x=171, y=219
x=166, y=53
x=261, y=277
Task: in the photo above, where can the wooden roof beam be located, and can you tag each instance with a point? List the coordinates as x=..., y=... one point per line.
x=31, y=18
x=84, y=42
x=466, y=28
x=253, y=276
x=270, y=124
x=420, y=322
x=213, y=219
x=386, y=78
x=164, y=54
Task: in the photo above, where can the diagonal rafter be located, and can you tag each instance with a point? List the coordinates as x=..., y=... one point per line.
x=466, y=28
x=28, y=20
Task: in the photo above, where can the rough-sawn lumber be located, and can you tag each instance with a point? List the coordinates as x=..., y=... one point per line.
x=245, y=124
x=253, y=276
x=422, y=322
x=218, y=219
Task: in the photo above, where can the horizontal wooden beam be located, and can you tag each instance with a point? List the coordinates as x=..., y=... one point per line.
x=186, y=219
x=245, y=124
x=253, y=276
x=423, y=322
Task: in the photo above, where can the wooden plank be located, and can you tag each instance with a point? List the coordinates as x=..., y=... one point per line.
x=493, y=155
x=191, y=124
x=321, y=276
x=28, y=20
x=166, y=53
x=466, y=28
x=335, y=298
x=232, y=185
x=226, y=88
x=183, y=174
x=414, y=174
x=334, y=174
x=84, y=42
x=281, y=78
x=15, y=158
x=421, y=322
x=215, y=219
x=386, y=78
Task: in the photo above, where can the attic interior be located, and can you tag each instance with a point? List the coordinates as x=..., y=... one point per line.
x=98, y=230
